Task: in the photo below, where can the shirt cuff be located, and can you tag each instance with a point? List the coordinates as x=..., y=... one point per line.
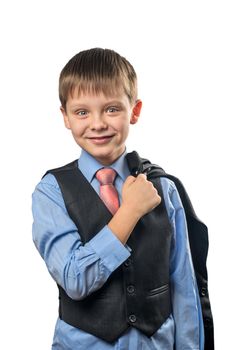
x=109, y=248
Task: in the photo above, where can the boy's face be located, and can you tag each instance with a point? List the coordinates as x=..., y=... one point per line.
x=100, y=124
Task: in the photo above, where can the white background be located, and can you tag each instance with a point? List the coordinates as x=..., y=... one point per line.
x=189, y=58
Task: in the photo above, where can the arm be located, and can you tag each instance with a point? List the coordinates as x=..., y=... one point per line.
x=185, y=299
x=79, y=269
x=82, y=269
x=139, y=197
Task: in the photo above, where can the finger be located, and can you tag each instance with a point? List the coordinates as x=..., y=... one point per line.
x=130, y=179
x=142, y=176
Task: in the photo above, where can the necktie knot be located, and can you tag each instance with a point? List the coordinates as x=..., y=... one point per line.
x=106, y=176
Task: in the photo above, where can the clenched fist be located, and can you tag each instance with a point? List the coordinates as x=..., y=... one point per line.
x=139, y=195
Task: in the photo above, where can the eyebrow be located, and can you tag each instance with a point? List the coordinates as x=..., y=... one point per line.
x=80, y=105
x=112, y=102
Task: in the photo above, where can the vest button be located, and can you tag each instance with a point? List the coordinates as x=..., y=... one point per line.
x=132, y=318
x=128, y=262
x=130, y=289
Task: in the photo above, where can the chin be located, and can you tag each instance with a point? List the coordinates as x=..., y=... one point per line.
x=105, y=158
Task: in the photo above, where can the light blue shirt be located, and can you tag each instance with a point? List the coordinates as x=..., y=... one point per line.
x=82, y=269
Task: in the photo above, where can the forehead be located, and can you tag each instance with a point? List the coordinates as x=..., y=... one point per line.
x=88, y=97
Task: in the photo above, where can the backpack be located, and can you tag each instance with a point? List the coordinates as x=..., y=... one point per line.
x=197, y=233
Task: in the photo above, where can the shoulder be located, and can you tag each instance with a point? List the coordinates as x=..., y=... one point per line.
x=49, y=178
x=47, y=191
x=47, y=197
x=70, y=166
x=48, y=182
x=49, y=185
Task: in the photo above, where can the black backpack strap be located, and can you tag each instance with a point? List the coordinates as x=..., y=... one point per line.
x=198, y=238
x=139, y=165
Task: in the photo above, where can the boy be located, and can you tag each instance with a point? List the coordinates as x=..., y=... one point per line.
x=122, y=260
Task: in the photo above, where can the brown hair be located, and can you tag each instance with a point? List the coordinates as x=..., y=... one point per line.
x=97, y=70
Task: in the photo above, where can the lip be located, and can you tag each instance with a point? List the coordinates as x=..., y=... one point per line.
x=100, y=140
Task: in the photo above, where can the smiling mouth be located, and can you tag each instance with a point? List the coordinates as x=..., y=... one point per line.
x=101, y=139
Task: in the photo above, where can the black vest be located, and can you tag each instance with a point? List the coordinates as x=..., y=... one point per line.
x=137, y=293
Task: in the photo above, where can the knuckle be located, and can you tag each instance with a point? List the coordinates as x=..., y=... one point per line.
x=142, y=177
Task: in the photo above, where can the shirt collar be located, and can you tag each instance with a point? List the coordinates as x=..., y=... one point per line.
x=88, y=165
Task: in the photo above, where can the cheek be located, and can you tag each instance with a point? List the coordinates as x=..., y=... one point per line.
x=78, y=128
x=126, y=128
x=121, y=125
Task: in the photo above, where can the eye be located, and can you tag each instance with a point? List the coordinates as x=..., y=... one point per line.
x=81, y=113
x=112, y=109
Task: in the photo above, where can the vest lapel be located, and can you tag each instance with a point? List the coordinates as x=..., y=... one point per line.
x=83, y=200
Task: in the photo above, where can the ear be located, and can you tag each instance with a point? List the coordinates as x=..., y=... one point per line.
x=136, y=111
x=66, y=119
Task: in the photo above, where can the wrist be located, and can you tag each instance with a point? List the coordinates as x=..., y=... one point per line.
x=123, y=222
x=131, y=213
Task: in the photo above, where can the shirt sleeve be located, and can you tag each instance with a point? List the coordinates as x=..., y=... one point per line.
x=79, y=269
x=184, y=293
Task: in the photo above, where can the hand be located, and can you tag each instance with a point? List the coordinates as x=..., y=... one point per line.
x=139, y=195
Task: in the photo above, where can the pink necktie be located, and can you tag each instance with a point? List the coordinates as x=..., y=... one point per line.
x=108, y=192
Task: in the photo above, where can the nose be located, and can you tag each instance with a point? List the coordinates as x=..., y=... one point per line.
x=98, y=122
